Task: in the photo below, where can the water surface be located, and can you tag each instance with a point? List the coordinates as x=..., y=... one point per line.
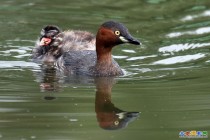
x=167, y=78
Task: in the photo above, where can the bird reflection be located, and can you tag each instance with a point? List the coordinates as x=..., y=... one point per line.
x=109, y=116
x=49, y=78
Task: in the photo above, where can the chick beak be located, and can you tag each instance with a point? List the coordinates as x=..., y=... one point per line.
x=45, y=41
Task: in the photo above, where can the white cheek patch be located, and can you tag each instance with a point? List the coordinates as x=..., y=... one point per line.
x=121, y=115
x=123, y=39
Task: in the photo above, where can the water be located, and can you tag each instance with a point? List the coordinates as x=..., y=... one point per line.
x=167, y=78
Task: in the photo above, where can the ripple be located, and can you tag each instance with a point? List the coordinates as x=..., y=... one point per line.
x=15, y=64
x=14, y=50
x=20, y=40
x=181, y=47
x=208, y=61
x=73, y=120
x=21, y=50
x=199, y=31
x=22, y=56
x=141, y=57
x=129, y=51
x=155, y=1
x=180, y=59
x=192, y=17
x=4, y=110
x=119, y=57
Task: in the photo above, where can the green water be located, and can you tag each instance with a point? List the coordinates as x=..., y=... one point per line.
x=167, y=78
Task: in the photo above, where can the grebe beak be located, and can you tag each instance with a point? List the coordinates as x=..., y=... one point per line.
x=129, y=39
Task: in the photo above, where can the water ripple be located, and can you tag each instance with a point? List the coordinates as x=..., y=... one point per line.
x=180, y=59
x=20, y=51
x=119, y=57
x=192, y=17
x=181, y=47
x=140, y=57
x=129, y=51
x=199, y=31
x=15, y=64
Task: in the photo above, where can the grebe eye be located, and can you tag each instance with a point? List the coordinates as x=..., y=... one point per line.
x=117, y=32
x=116, y=122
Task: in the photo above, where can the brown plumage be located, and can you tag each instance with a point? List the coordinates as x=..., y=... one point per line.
x=53, y=43
x=99, y=62
x=73, y=40
x=80, y=52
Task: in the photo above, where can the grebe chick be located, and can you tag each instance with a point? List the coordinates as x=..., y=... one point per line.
x=75, y=40
x=44, y=50
x=53, y=43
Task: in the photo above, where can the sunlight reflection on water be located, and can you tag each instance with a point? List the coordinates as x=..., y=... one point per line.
x=140, y=57
x=19, y=64
x=192, y=17
x=182, y=47
x=166, y=78
x=180, y=59
x=199, y=31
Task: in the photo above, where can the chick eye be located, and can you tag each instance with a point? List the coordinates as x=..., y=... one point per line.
x=117, y=32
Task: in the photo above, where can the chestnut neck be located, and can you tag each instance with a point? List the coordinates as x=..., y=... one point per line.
x=104, y=47
x=104, y=55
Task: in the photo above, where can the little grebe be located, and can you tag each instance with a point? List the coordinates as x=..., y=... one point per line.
x=99, y=62
x=53, y=43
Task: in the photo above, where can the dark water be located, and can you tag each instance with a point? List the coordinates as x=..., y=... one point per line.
x=167, y=78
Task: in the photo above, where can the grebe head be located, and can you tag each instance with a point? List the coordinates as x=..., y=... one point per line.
x=113, y=33
x=48, y=34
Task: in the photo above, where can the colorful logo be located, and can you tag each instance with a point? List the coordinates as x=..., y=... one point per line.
x=193, y=134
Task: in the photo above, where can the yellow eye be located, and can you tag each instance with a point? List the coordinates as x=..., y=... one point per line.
x=117, y=32
x=116, y=122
